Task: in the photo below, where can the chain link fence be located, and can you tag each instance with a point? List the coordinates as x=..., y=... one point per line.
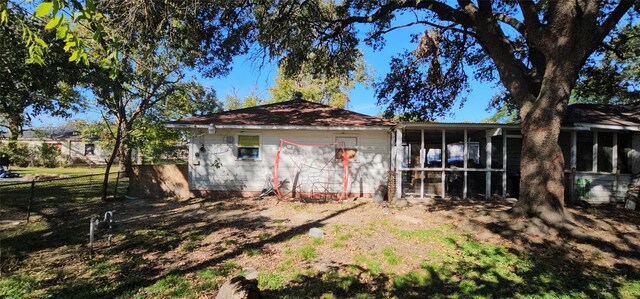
x=52, y=198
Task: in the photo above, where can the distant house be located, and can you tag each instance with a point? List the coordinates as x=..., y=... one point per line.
x=74, y=148
x=304, y=145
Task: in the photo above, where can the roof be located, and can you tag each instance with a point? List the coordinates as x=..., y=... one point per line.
x=67, y=132
x=289, y=113
x=603, y=114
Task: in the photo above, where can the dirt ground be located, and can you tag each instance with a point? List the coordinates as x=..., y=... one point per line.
x=154, y=240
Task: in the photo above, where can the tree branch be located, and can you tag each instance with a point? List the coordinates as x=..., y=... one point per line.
x=530, y=14
x=611, y=21
x=511, y=21
x=443, y=11
x=423, y=23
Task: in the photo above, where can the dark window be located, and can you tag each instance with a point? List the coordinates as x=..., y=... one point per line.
x=584, y=148
x=89, y=149
x=624, y=147
x=605, y=152
x=248, y=147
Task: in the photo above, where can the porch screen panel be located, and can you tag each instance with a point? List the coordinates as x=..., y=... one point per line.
x=624, y=150
x=605, y=152
x=476, y=184
x=454, y=156
x=433, y=148
x=477, y=140
x=496, y=152
x=584, y=154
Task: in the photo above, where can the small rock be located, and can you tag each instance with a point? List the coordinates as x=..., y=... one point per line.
x=511, y=200
x=239, y=287
x=250, y=273
x=316, y=232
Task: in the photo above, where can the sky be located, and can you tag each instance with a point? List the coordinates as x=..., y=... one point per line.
x=248, y=77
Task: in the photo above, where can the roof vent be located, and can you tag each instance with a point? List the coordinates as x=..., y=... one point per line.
x=297, y=96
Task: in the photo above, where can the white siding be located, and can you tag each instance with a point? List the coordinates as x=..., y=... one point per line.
x=603, y=187
x=312, y=169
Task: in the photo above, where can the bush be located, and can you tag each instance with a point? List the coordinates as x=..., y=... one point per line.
x=47, y=155
x=21, y=156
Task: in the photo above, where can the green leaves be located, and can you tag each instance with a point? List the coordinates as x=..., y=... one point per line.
x=61, y=32
x=4, y=17
x=54, y=22
x=43, y=9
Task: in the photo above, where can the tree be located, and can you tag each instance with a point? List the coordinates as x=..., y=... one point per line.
x=535, y=48
x=152, y=138
x=232, y=102
x=27, y=90
x=332, y=91
x=615, y=78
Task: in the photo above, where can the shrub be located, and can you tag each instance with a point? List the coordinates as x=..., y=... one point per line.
x=21, y=156
x=47, y=155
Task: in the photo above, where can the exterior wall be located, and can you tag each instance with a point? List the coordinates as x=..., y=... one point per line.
x=71, y=151
x=609, y=187
x=366, y=173
x=600, y=187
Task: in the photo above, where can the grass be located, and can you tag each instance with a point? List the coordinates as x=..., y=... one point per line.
x=67, y=171
x=443, y=263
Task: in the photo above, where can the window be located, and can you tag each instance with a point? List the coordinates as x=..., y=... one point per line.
x=249, y=147
x=89, y=149
x=584, y=155
x=350, y=147
x=605, y=152
x=624, y=148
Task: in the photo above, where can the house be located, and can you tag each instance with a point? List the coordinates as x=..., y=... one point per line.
x=74, y=149
x=313, y=149
x=303, y=144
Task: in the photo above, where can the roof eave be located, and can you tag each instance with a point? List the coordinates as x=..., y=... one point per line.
x=280, y=127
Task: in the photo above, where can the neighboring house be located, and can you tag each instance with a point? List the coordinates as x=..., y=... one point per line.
x=74, y=149
x=237, y=151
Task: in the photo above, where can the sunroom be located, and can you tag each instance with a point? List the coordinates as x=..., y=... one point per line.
x=478, y=161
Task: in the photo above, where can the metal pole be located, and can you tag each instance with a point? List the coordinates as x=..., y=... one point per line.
x=92, y=225
x=33, y=184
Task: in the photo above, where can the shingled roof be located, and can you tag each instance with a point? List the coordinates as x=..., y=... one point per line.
x=602, y=114
x=290, y=113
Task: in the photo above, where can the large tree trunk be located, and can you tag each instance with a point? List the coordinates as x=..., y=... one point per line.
x=542, y=166
x=542, y=161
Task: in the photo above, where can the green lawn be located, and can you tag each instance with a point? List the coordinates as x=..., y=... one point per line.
x=67, y=171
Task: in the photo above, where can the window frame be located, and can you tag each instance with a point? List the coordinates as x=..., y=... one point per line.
x=346, y=148
x=238, y=147
x=93, y=149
